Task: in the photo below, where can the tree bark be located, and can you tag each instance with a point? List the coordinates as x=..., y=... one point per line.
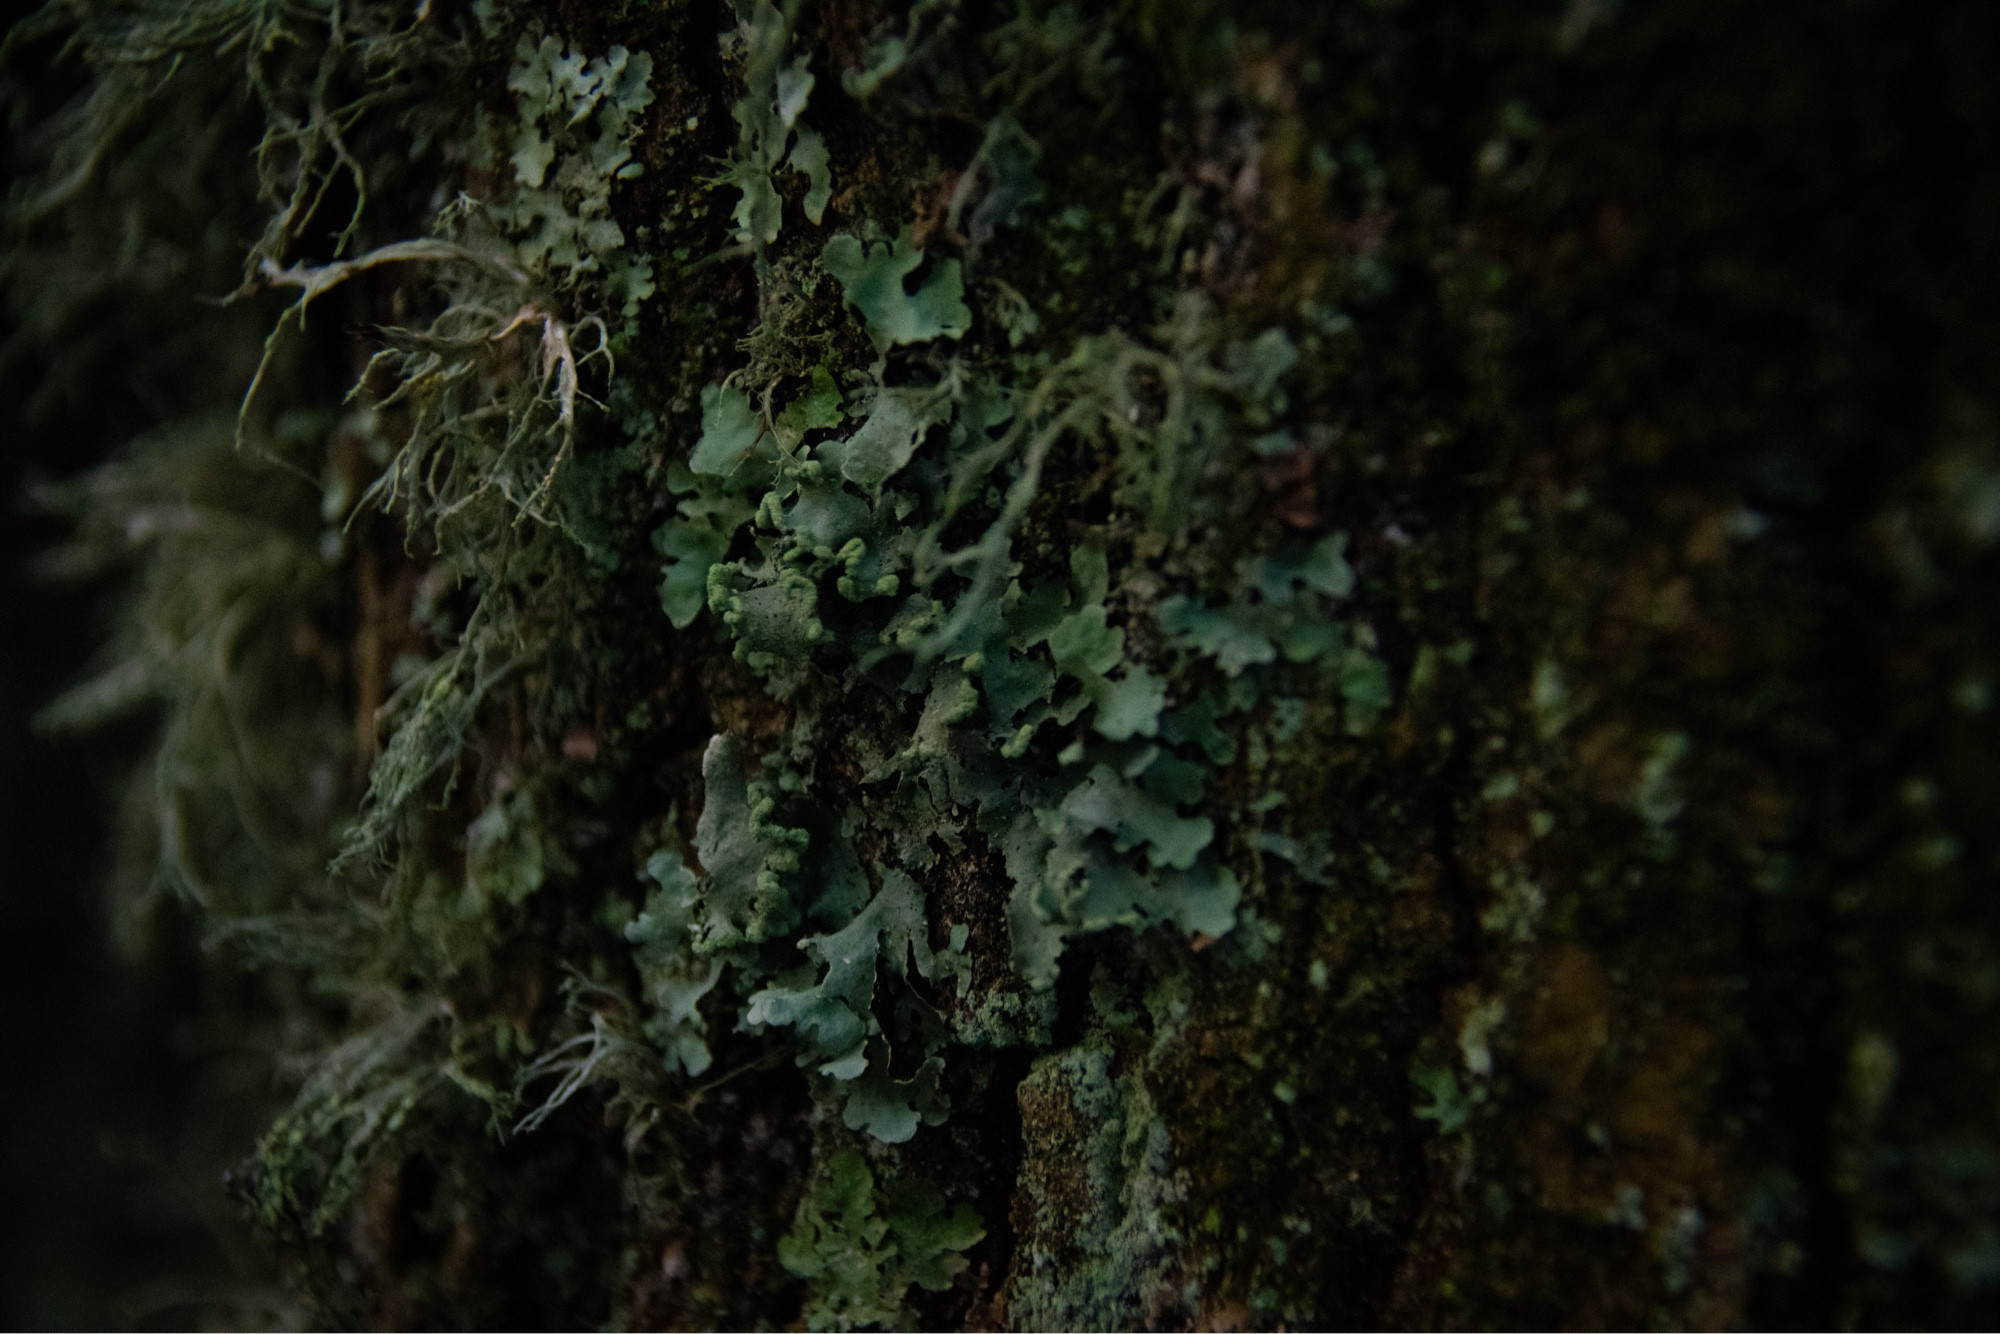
x=1076, y=666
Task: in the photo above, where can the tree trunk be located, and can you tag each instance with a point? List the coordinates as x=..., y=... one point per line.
x=1066, y=665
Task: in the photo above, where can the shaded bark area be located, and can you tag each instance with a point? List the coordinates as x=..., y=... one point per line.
x=1692, y=321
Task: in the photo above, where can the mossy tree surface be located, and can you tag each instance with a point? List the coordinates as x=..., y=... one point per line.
x=1064, y=665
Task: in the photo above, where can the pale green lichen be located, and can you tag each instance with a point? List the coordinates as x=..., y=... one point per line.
x=863, y=1247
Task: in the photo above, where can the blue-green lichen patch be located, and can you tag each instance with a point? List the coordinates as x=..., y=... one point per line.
x=863, y=1246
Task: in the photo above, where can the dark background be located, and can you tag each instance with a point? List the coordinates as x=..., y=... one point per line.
x=95, y=1042
x=118, y=1113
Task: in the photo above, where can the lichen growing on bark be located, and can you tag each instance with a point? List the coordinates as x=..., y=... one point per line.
x=1066, y=665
